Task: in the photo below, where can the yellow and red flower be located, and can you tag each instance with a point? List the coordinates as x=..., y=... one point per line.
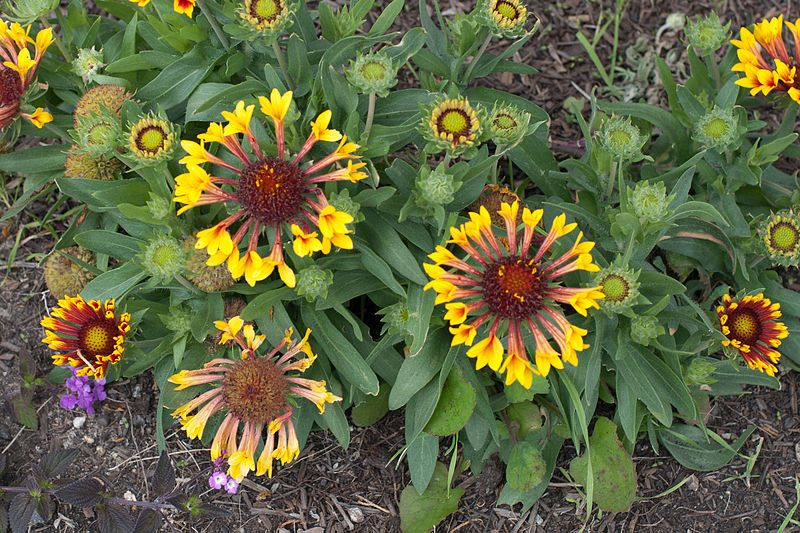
x=89, y=334
x=185, y=7
x=751, y=328
x=508, y=285
x=18, y=70
x=276, y=194
x=253, y=393
x=765, y=60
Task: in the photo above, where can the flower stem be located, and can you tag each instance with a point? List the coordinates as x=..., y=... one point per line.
x=282, y=61
x=214, y=26
x=370, y=117
x=714, y=68
x=629, y=250
x=476, y=58
x=497, y=152
x=57, y=40
x=623, y=198
x=610, y=183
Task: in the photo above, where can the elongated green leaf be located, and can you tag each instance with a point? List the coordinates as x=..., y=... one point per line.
x=114, y=283
x=378, y=268
x=422, y=455
x=692, y=448
x=178, y=80
x=37, y=160
x=110, y=243
x=416, y=372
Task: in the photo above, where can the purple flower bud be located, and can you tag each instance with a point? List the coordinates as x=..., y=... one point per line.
x=217, y=480
x=232, y=486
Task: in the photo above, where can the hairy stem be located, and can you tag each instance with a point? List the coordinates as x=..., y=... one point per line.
x=370, y=116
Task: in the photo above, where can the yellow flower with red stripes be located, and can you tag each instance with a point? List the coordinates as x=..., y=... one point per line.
x=89, y=335
x=506, y=284
x=279, y=195
x=752, y=330
x=764, y=58
x=255, y=396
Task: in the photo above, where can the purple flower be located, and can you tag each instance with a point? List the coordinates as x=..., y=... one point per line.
x=68, y=401
x=83, y=392
x=232, y=486
x=217, y=480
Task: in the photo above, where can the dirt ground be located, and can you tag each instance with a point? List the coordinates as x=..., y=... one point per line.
x=333, y=490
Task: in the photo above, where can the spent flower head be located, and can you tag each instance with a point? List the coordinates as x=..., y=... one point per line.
x=372, y=73
x=207, y=278
x=84, y=166
x=707, y=34
x=63, y=275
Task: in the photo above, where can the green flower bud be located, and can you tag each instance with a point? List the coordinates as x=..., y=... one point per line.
x=622, y=139
x=507, y=124
x=372, y=73
x=716, y=129
x=451, y=125
x=504, y=18
x=707, y=34
x=313, y=283
x=63, y=276
x=343, y=202
x=99, y=98
x=435, y=187
x=160, y=208
x=84, y=166
x=266, y=19
x=621, y=287
x=179, y=319
x=699, y=372
x=163, y=258
x=395, y=318
x=645, y=329
x=206, y=278
x=151, y=139
x=98, y=134
x=88, y=63
x=780, y=234
x=28, y=11
x=650, y=201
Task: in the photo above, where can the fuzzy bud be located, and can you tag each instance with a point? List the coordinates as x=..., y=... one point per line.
x=645, y=329
x=395, y=318
x=88, y=63
x=716, y=129
x=163, y=258
x=179, y=320
x=159, y=207
x=343, y=202
x=707, y=34
x=650, y=201
x=508, y=125
x=313, y=283
x=622, y=139
x=372, y=73
x=621, y=287
x=435, y=187
x=699, y=372
x=98, y=134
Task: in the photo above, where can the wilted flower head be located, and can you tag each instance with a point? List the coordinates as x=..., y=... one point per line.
x=64, y=276
x=216, y=278
x=752, y=330
x=452, y=124
x=89, y=335
x=276, y=194
x=509, y=285
x=252, y=393
x=765, y=60
x=780, y=234
x=18, y=71
x=622, y=139
x=100, y=98
x=707, y=34
x=372, y=73
x=717, y=129
x=88, y=63
x=84, y=166
x=492, y=198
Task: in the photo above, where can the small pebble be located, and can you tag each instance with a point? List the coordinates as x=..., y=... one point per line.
x=88, y=440
x=131, y=497
x=78, y=422
x=356, y=514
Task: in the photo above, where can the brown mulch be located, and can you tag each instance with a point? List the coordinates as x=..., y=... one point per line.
x=334, y=490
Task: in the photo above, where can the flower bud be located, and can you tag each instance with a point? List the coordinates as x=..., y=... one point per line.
x=266, y=19
x=508, y=125
x=622, y=139
x=179, y=320
x=313, y=283
x=645, y=329
x=716, y=129
x=159, y=207
x=395, y=318
x=343, y=202
x=206, y=278
x=151, y=139
x=434, y=187
x=780, y=234
x=372, y=73
x=88, y=63
x=504, y=18
x=452, y=125
x=84, y=166
x=650, y=201
x=620, y=287
x=707, y=34
x=64, y=277
x=163, y=258
x=699, y=372
x=98, y=134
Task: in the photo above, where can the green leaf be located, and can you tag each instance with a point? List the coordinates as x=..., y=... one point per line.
x=526, y=467
x=176, y=82
x=110, y=243
x=36, y=160
x=372, y=409
x=422, y=454
x=341, y=353
x=692, y=448
x=336, y=421
x=417, y=371
x=387, y=17
x=613, y=470
x=24, y=411
x=419, y=513
x=523, y=418
x=456, y=405
x=379, y=268
x=420, y=309
x=114, y=283
x=389, y=246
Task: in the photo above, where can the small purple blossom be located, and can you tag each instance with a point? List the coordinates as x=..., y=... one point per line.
x=217, y=480
x=232, y=486
x=83, y=392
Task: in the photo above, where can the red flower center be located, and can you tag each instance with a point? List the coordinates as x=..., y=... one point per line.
x=97, y=338
x=272, y=190
x=512, y=287
x=10, y=87
x=255, y=390
x=745, y=326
